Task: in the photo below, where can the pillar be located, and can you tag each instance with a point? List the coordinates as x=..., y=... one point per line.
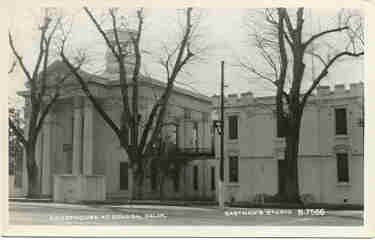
x=77, y=136
x=46, y=155
x=88, y=138
x=25, y=180
x=39, y=160
x=181, y=134
x=188, y=137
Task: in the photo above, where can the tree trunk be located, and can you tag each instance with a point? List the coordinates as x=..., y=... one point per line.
x=32, y=173
x=138, y=179
x=291, y=158
x=161, y=187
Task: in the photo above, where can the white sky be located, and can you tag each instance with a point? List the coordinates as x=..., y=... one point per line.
x=223, y=31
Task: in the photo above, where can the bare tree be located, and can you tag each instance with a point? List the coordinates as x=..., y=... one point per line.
x=143, y=138
x=283, y=43
x=41, y=93
x=168, y=161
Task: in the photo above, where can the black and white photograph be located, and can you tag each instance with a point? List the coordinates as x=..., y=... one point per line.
x=195, y=116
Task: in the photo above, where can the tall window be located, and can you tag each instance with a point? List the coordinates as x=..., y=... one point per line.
x=176, y=181
x=233, y=169
x=195, y=177
x=280, y=128
x=281, y=175
x=341, y=121
x=124, y=182
x=213, y=186
x=195, y=135
x=233, y=127
x=187, y=113
x=154, y=179
x=174, y=134
x=342, y=167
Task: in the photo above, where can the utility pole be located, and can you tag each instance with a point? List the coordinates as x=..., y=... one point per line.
x=221, y=180
x=219, y=127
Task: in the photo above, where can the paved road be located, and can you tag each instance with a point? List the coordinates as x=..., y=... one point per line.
x=23, y=213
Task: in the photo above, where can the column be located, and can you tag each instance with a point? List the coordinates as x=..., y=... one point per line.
x=88, y=138
x=188, y=137
x=77, y=136
x=181, y=134
x=25, y=180
x=207, y=132
x=46, y=166
x=39, y=160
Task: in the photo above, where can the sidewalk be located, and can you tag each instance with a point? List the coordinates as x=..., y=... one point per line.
x=25, y=199
x=123, y=201
x=357, y=214
x=332, y=210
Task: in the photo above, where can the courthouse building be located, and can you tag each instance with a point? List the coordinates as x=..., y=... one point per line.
x=331, y=162
x=80, y=156
x=81, y=159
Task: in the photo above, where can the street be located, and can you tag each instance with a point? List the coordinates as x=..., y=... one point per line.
x=24, y=213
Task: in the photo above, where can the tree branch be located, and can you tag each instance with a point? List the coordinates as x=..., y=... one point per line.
x=318, y=35
x=88, y=93
x=19, y=58
x=104, y=35
x=324, y=73
x=45, y=111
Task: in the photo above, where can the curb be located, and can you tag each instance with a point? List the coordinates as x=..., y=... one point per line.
x=43, y=200
x=114, y=202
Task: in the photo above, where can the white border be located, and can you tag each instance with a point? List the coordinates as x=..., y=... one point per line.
x=367, y=230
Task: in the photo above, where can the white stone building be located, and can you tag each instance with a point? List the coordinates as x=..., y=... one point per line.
x=80, y=156
x=331, y=162
x=81, y=159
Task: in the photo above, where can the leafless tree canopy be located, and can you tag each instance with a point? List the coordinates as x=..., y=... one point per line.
x=174, y=60
x=283, y=39
x=41, y=95
x=326, y=39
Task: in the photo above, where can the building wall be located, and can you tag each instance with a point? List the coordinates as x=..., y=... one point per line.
x=107, y=150
x=63, y=145
x=259, y=149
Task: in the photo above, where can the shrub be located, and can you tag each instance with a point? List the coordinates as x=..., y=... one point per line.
x=307, y=198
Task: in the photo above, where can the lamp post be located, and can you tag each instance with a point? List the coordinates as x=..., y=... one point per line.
x=219, y=126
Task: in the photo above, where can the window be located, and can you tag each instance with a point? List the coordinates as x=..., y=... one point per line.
x=124, y=182
x=233, y=127
x=233, y=169
x=187, y=113
x=176, y=182
x=174, y=134
x=195, y=135
x=281, y=128
x=340, y=121
x=195, y=177
x=213, y=186
x=342, y=167
x=154, y=179
x=281, y=175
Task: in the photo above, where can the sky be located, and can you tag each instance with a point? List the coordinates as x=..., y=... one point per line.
x=222, y=30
